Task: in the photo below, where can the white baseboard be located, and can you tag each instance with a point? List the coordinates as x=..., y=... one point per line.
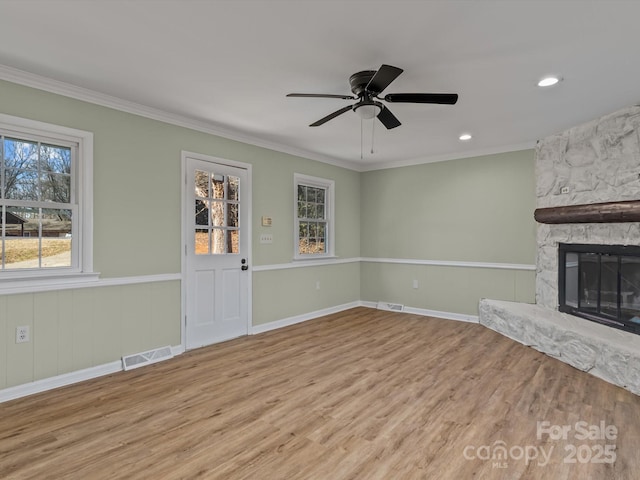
x=461, y=317
x=285, y=322
x=65, y=379
x=368, y=304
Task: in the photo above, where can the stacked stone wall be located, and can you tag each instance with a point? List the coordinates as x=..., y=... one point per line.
x=591, y=163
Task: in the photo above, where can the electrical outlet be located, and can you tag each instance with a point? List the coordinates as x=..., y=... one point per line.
x=318, y=285
x=564, y=190
x=22, y=334
x=415, y=284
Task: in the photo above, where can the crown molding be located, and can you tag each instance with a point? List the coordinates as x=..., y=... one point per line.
x=50, y=85
x=450, y=156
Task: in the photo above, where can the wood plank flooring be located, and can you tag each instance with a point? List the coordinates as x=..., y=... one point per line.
x=363, y=394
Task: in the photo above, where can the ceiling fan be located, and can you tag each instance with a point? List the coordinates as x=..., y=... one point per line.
x=367, y=86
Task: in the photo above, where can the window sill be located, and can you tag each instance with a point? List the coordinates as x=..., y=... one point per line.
x=44, y=282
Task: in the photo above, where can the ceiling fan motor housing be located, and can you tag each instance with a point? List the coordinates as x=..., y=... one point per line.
x=366, y=86
x=359, y=81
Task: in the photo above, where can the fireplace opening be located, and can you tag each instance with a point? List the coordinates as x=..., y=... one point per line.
x=601, y=283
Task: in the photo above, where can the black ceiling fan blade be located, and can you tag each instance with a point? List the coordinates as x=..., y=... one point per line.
x=382, y=78
x=388, y=119
x=322, y=95
x=330, y=116
x=441, y=98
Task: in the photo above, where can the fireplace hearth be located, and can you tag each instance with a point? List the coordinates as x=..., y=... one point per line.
x=587, y=198
x=601, y=283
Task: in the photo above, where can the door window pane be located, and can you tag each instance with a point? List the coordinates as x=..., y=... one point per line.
x=218, y=241
x=218, y=186
x=201, y=246
x=217, y=214
x=233, y=241
x=232, y=215
x=202, y=212
x=201, y=184
x=233, y=188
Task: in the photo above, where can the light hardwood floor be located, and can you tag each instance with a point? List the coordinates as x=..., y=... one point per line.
x=363, y=394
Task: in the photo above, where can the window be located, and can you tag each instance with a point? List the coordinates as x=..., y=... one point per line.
x=314, y=225
x=45, y=199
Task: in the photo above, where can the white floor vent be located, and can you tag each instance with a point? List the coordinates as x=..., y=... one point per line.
x=136, y=360
x=392, y=307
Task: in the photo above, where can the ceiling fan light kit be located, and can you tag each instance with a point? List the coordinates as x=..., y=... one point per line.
x=368, y=111
x=366, y=87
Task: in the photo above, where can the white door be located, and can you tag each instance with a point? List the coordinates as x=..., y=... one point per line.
x=216, y=220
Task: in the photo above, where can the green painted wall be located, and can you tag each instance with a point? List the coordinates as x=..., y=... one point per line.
x=477, y=209
x=472, y=210
x=294, y=290
x=443, y=288
x=137, y=208
x=77, y=329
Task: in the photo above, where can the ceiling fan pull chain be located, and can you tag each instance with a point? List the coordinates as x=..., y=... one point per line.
x=361, y=138
x=373, y=129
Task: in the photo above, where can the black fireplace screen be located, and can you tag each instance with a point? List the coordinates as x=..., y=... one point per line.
x=601, y=283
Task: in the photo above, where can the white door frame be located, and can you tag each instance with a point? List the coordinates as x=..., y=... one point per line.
x=183, y=225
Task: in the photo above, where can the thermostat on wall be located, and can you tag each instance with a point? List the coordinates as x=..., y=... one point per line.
x=266, y=221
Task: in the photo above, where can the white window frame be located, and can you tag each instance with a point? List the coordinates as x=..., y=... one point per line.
x=82, y=248
x=329, y=186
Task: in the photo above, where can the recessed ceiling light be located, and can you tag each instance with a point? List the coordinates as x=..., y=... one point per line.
x=465, y=136
x=548, y=81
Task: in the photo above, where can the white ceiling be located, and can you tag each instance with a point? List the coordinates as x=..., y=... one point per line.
x=229, y=65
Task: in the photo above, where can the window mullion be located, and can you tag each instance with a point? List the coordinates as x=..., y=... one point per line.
x=3, y=209
x=38, y=169
x=2, y=193
x=39, y=237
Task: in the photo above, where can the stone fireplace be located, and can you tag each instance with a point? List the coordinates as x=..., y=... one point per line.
x=592, y=163
x=595, y=163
